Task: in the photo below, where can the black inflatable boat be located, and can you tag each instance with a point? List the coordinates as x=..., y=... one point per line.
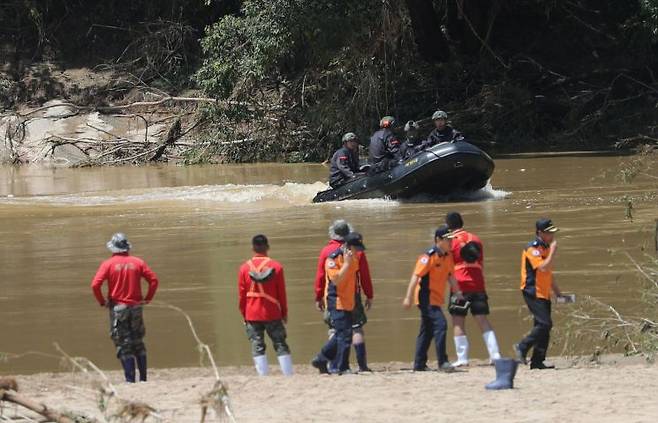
x=442, y=169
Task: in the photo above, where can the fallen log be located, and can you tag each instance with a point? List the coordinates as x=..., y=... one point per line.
x=10, y=395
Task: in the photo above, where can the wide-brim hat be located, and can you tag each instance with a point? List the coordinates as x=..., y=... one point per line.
x=118, y=244
x=339, y=229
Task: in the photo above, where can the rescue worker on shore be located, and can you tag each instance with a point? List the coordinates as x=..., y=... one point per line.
x=537, y=282
x=412, y=144
x=442, y=132
x=345, y=161
x=264, y=307
x=433, y=272
x=124, y=274
x=384, y=149
x=338, y=230
x=342, y=269
x=468, y=254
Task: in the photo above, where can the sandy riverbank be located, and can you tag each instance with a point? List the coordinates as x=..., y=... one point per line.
x=618, y=389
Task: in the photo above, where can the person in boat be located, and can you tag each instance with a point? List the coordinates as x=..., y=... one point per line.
x=412, y=144
x=345, y=161
x=384, y=150
x=442, y=132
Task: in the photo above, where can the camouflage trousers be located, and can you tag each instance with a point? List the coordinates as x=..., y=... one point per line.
x=127, y=330
x=275, y=330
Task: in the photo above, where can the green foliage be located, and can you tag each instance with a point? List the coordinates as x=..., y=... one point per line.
x=529, y=75
x=270, y=38
x=306, y=64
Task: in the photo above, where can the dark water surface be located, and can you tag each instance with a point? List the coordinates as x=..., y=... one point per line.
x=193, y=226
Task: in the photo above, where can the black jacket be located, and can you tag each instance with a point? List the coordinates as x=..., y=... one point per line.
x=344, y=164
x=410, y=147
x=384, y=150
x=448, y=134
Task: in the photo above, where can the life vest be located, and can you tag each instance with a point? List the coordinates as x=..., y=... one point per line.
x=259, y=275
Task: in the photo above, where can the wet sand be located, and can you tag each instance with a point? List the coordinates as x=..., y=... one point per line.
x=618, y=389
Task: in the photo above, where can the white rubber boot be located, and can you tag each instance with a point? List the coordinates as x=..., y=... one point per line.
x=261, y=365
x=492, y=345
x=461, y=346
x=285, y=361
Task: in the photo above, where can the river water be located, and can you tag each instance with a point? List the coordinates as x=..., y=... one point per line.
x=193, y=225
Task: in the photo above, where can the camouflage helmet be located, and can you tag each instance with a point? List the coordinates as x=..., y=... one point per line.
x=411, y=126
x=387, y=122
x=350, y=136
x=439, y=114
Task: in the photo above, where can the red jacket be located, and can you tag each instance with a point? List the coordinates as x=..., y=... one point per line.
x=470, y=276
x=124, y=274
x=262, y=301
x=365, y=281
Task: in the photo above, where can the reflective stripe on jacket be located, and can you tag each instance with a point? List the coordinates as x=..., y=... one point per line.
x=262, y=301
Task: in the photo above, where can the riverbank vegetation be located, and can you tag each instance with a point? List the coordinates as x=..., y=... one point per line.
x=293, y=75
x=596, y=327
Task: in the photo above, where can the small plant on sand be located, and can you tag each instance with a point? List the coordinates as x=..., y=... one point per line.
x=604, y=328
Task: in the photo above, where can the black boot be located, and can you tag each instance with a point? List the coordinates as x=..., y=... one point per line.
x=520, y=354
x=505, y=372
x=320, y=363
x=128, y=364
x=141, y=365
x=540, y=366
x=361, y=357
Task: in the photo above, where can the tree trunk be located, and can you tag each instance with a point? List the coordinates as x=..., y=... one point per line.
x=432, y=44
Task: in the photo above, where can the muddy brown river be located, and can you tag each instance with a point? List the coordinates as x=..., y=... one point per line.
x=193, y=225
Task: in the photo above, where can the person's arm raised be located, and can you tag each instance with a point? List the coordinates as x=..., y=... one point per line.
x=348, y=260
x=548, y=263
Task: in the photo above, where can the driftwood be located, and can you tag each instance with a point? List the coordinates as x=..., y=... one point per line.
x=8, y=393
x=172, y=135
x=99, y=151
x=217, y=399
x=145, y=104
